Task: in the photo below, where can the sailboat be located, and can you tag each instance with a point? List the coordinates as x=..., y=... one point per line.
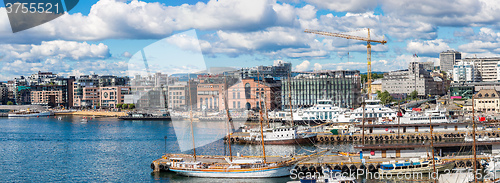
x=231, y=167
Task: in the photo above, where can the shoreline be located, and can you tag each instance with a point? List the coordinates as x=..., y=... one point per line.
x=93, y=113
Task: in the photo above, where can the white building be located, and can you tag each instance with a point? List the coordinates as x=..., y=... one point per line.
x=487, y=68
x=465, y=72
x=498, y=72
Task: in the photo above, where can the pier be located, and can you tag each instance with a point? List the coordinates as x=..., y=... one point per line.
x=385, y=137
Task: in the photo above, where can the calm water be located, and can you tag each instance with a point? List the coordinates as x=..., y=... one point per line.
x=103, y=149
x=108, y=150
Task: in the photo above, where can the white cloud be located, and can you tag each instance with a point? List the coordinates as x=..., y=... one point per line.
x=127, y=54
x=137, y=19
x=304, y=66
x=430, y=48
x=317, y=66
x=58, y=49
x=355, y=6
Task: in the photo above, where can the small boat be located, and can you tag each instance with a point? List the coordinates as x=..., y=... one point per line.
x=30, y=113
x=415, y=165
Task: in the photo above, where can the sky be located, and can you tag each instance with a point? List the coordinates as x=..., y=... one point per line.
x=101, y=36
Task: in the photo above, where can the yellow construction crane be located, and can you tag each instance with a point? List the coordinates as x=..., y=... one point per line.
x=368, y=47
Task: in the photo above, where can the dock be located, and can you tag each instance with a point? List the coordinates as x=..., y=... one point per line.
x=4, y=114
x=384, y=137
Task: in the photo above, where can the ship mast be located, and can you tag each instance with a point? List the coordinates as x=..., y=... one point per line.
x=290, y=99
x=474, y=142
x=191, y=117
x=228, y=119
x=262, y=129
x=432, y=146
x=363, y=120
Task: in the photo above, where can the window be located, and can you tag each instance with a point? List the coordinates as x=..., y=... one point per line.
x=238, y=95
x=239, y=104
x=247, y=90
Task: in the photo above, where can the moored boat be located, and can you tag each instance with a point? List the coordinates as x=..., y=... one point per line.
x=415, y=165
x=30, y=113
x=279, y=136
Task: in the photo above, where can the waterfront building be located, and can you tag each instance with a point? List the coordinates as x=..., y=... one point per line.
x=58, y=92
x=447, y=59
x=4, y=94
x=210, y=91
x=417, y=77
x=343, y=87
x=279, y=69
x=85, y=96
x=112, y=95
x=487, y=101
x=251, y=94
x=465, y=72
x=178, y=95
x=149, y=92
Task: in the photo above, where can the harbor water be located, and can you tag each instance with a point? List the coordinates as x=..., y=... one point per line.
x=68, y=149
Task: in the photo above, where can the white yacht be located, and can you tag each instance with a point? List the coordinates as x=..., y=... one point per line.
x=283, y=135
x=374, y=112
x=322, y=112
x=437, y=115
x=30, y=113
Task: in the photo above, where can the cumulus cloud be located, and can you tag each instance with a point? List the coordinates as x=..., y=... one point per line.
x=303, y=66
x=58, y=49
x=430, y=48
x=355, y=6
x=137, y=19
x=317, y=66
x=126, y=54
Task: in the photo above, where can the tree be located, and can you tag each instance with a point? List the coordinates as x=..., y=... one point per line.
x=124, y=106
x=10, y=103
x=414, y=94
x=384, y=97
x=131, y=106
x=118, y=105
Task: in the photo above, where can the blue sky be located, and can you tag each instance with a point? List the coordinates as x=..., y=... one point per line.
x=100, y=36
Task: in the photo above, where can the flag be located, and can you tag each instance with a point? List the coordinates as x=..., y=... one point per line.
x=482, y=119
x=415, y=55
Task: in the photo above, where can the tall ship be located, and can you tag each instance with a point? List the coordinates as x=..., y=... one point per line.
x=235, y=168
x=30, y=113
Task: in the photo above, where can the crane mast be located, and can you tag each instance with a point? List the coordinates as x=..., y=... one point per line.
x=368, y=49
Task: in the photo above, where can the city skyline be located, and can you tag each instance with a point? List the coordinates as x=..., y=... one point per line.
x=101, y=36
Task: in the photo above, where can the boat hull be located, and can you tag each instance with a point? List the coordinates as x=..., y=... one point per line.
x=306, y=140
x=430, y=168
x=32, y=114
x=255, y=173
